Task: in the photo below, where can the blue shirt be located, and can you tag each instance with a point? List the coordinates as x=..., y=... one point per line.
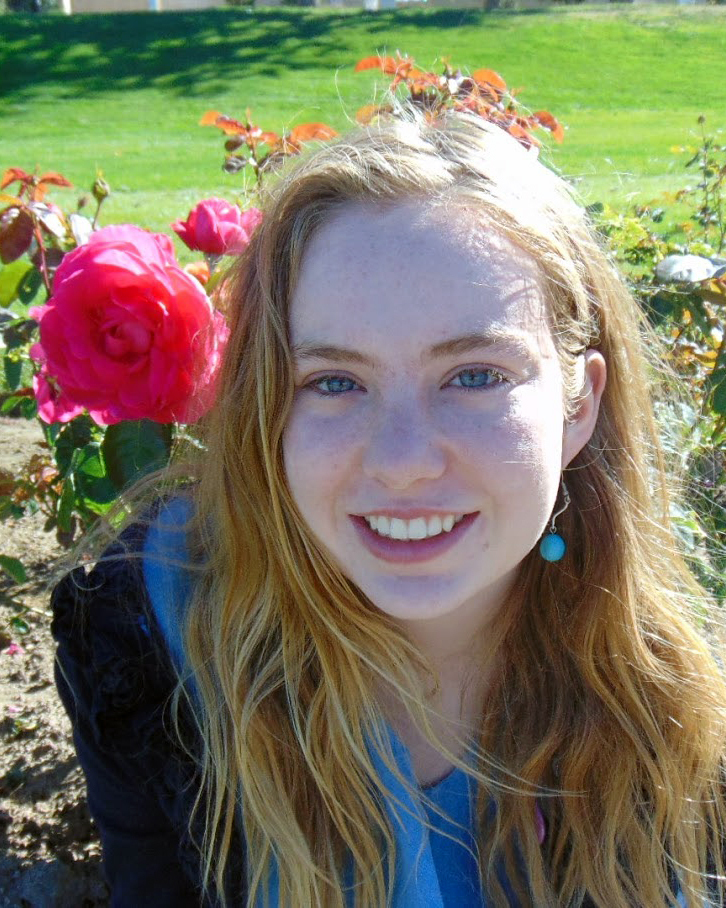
x=436, y=864
x=435, y=867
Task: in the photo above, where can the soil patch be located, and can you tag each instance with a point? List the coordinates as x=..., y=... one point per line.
x=50, y=855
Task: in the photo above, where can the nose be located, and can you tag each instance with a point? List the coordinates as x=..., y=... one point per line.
x=403, y=447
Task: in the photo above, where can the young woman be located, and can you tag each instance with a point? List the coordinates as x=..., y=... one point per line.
x=416, y=634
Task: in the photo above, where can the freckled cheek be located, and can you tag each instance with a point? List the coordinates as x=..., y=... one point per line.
x=516, y=445
x=317, y=453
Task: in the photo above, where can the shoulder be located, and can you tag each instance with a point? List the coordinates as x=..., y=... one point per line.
x=116, y=676
x=114, y=659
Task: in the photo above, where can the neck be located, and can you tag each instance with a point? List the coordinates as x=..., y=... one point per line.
x=455, y=697
x=461, y=648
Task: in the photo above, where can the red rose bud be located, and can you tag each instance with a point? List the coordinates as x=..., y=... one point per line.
x=215, y=227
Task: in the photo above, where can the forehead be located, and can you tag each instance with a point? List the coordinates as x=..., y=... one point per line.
x=408, y=276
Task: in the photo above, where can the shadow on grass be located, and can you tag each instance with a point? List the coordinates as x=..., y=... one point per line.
x=193, y=53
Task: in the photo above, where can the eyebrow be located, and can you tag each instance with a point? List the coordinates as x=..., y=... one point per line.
x=453, y=346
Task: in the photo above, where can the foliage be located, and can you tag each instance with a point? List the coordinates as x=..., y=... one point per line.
x=249, y=146
x=484, y=92
x=678, y=274
x=89, y=458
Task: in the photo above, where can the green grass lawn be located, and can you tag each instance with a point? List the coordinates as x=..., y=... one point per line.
x=124, y=93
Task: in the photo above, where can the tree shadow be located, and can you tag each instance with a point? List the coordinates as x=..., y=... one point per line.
x=193, y=53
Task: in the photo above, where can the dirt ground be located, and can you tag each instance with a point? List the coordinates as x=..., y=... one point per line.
x=49, y=850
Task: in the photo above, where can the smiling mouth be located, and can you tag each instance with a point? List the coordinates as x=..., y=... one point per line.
x=412, y=530
x=411, y=551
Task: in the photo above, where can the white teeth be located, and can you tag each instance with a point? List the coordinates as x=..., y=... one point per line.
x=418, y=528
x=399, y=528
x=434, y=526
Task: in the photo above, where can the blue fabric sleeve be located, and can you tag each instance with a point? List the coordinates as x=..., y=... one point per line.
x=166, y=574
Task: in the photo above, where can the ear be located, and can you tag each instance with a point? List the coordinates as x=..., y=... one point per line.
x=581, y=425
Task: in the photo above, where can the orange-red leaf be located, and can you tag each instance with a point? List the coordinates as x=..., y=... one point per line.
x=210, y=118
x=306, y=132
x=16, y=233
x=271, y=138
x=55, y=179
x=402, y=67
x=408, y=71
x=420, y=81
x=385, y=64
x=15, y=173
x=547, y=121
x=232, y=127
x=489, y=77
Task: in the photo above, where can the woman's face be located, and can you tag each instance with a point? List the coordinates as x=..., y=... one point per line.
x=428, y=389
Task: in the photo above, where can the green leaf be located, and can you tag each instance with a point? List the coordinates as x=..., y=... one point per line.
x=90, y=460
x=10, y=403
x=11, y=276
x=19, y=332
x=28, y=408
x=13, y=567
x=22, y=404
x=30, y=287
x=66, y=505
x=95, y=491
x=132, y=449
x=92, y=504
x=20, y=625
x=9, y=509
x=718, y=401
x=13, y=369
x=51, y=432
x=74, y=435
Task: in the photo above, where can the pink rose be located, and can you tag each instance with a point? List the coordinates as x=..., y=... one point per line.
x=217, y=228
x=53, y=405
x=127, y=333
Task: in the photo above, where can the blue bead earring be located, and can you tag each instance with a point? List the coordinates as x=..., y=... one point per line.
x=553, y=546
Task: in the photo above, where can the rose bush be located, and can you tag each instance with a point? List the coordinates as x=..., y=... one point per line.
x=127, y=334
x=215, y=227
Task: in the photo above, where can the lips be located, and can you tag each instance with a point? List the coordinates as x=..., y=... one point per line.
x=411, y=551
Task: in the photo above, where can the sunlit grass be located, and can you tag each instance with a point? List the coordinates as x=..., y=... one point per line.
x=124, y=93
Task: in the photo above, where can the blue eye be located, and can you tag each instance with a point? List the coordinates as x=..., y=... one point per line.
x=469, y=380
x=474, y=379
x=338, y=384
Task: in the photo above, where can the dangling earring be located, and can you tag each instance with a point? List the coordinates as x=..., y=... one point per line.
x=553, y=546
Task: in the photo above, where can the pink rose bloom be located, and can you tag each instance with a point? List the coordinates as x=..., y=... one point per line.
x=53, y=405
x=217, y=228
x=127, y=334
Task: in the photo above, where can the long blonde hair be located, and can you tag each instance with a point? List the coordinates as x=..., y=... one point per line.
x=608, y=703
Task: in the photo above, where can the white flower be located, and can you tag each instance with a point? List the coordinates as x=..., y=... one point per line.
x=687, y=269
